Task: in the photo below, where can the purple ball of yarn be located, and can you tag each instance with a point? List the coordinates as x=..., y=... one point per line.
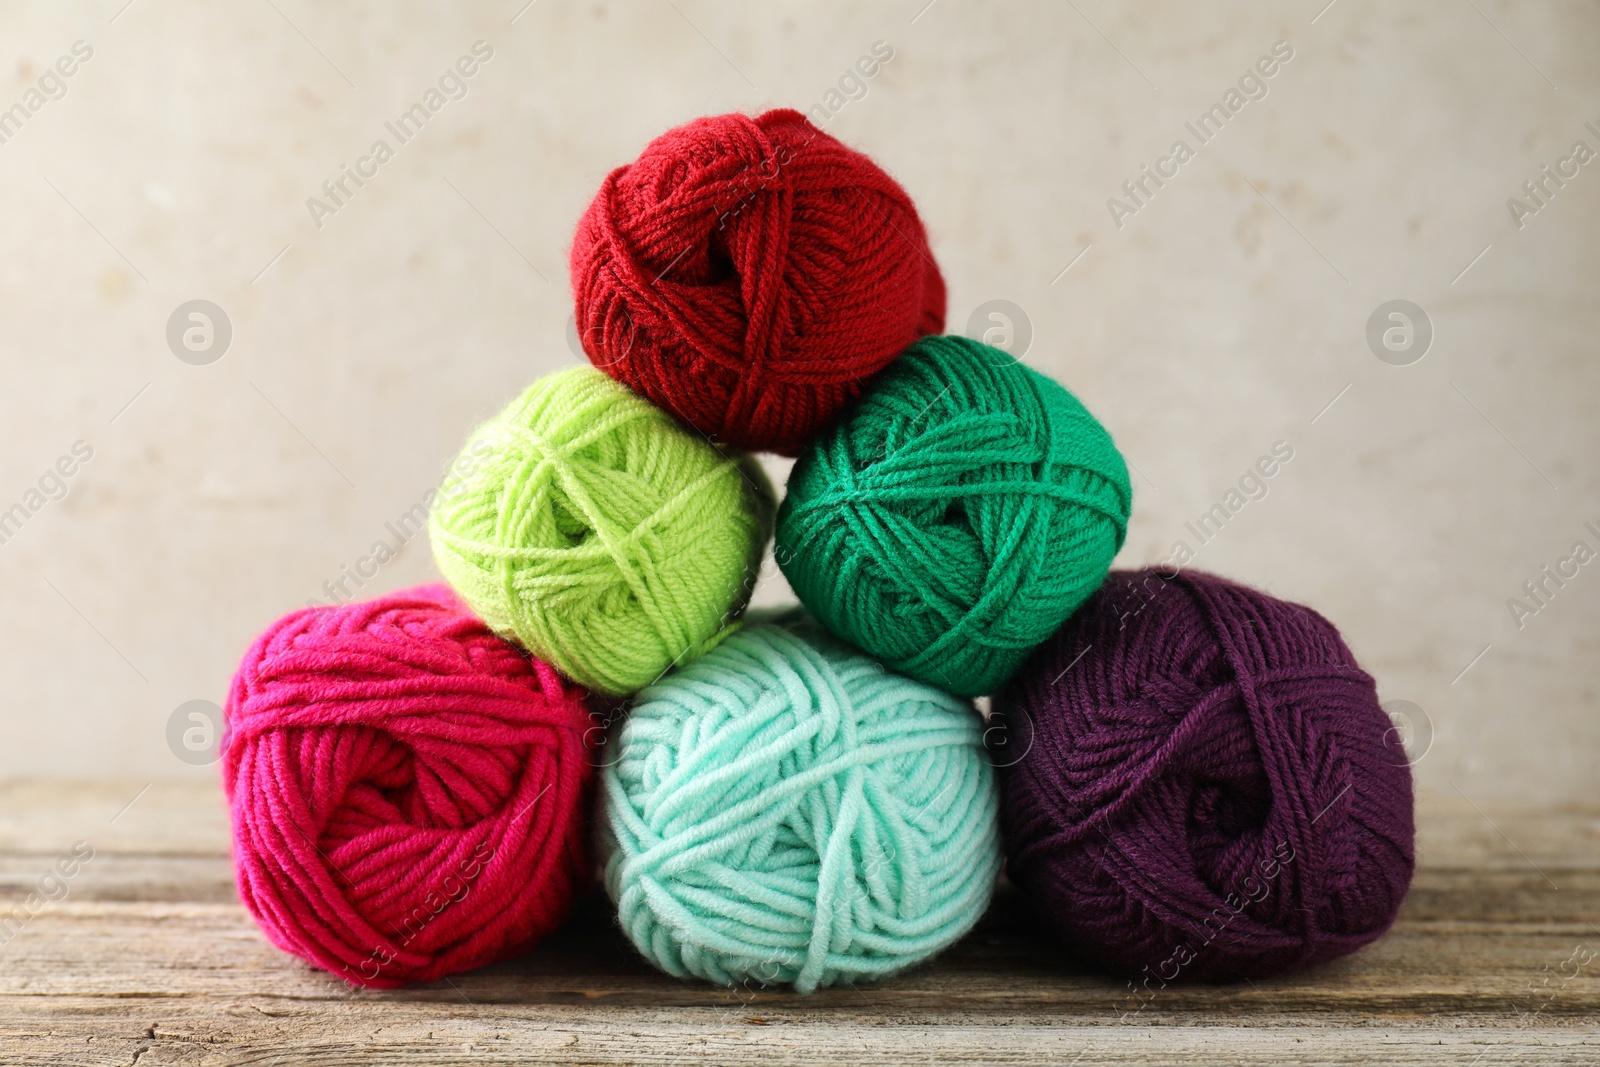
x=1207, y=788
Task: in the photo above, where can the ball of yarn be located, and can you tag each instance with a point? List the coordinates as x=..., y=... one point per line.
x=603, y=536
x=749, y=274
x=959, y=514
x=406, y=789
x=784, y=811
x=1207, y=788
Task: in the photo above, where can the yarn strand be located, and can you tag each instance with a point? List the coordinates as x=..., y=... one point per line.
x=956, y=517
x=783, y=810
x=599, y=534
x=1200, y=749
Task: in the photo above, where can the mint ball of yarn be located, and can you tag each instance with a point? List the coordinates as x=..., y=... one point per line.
x=588, y=525
x=956, y=517
x=785, y=811
x=1205, y=787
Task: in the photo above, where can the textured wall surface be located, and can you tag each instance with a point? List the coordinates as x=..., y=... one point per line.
x=1205, y=321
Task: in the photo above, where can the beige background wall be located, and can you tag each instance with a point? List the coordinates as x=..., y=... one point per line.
x=1223, y=317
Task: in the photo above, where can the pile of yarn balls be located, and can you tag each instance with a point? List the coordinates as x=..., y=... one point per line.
x=1186, y=779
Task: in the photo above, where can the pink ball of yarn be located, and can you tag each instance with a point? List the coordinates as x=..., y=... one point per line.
x=406, y=789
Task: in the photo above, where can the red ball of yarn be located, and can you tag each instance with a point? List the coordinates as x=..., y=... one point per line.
x=406, y=789
x=749, y=275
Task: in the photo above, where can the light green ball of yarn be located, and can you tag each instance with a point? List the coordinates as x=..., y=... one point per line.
x=956, y=517
x=785, y=811
x=586, y=524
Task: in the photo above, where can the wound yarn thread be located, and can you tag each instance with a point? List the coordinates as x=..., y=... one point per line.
x=749, y=274
x=599, y=533
x=1205, y=786
x=955, y=518
x=406, y=789
x=785, y=811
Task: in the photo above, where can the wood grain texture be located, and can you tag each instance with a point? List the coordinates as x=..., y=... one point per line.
x=149, y=959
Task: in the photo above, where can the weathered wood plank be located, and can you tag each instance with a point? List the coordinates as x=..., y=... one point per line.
x=1503, y=893
x=118, y=949
x=161, y=1032
x=150, y=959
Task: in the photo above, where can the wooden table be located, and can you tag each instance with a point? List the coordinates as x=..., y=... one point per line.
x=150, y=959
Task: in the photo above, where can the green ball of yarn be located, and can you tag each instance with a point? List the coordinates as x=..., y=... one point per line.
x=956, y=517
x=585, y=523
x=785, y=811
